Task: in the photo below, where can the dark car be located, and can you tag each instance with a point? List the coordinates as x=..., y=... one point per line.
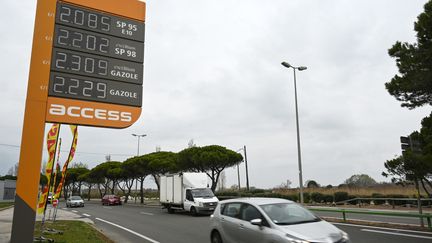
x=111, y=200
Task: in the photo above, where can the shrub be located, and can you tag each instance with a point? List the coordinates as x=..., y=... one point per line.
x=257, y=190
x=227, y=193
x=317, y=197
x=341, y=196
x=397, y=202
x=328, y=198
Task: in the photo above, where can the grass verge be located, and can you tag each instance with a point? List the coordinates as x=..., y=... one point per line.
x=73, y=231
x=5, y=204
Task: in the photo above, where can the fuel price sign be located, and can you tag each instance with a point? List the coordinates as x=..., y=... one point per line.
x=86, y=68
x=97, y=57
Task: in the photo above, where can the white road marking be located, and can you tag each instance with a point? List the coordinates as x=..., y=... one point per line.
x=87, y=215
x=74, y=211
x=383, y=228
x=394, y=233
x=151, y=214
x=107, y=207
x=128, y=230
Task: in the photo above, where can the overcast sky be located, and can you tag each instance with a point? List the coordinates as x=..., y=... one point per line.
x=212, y=73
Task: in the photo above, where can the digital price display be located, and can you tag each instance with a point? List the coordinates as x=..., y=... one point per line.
x=99, y=22
x=97, y=58
x=85, y=88
x=96, y=66
x=81, y=40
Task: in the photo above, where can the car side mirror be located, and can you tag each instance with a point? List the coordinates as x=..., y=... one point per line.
x=257, y=222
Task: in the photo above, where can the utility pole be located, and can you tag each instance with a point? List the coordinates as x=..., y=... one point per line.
x=247, y=172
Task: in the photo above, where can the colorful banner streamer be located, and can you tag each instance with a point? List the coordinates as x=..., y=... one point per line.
x=51, y=147
x=74, y=130
x=57, y=169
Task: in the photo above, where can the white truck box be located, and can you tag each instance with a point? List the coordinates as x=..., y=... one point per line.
x=187, y=191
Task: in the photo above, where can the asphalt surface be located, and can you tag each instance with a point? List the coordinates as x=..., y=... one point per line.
x=145, y=224
x=132, y=223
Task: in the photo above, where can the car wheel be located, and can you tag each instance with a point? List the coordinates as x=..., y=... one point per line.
x=193, y=211
x=215, y=237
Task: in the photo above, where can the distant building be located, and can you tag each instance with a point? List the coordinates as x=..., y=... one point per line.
x=7, y=190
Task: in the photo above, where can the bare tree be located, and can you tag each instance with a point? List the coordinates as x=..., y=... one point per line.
x=13, y=171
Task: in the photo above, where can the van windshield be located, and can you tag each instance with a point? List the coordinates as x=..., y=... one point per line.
x=202, y=192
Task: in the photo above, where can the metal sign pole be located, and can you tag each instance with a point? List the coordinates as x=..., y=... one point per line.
x=34, y=125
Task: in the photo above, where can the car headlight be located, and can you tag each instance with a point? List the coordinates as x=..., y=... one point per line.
x=200, y=204
x=344, y=235
x=292, y=240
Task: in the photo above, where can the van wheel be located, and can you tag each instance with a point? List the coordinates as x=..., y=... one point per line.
x=170, y=210
x=193, y=211
x=215, y=237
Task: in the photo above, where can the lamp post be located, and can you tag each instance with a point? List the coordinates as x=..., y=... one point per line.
x=139, y=137
x=300, y=68
x=246, y=166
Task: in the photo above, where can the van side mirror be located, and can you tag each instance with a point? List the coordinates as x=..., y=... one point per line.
x=257, y=222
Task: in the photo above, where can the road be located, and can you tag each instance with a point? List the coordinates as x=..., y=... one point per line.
x=130, y=223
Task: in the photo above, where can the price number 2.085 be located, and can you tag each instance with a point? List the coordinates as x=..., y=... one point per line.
x=84, y=19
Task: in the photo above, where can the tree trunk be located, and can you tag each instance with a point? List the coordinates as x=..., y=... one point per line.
x=113, y=186
x=79, y=188
x=156, y=179
x=65, y=191
x=89, y=191
x=100, y=190
x=425, y=189
x=419, y=201
x=129, y=185
x=142, y=190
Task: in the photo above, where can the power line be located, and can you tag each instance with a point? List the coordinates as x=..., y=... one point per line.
x=67, y=151
x=9, y=145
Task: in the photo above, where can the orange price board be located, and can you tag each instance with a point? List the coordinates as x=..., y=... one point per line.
x=86, y=69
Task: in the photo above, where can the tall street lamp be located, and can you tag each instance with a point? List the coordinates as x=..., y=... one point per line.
x=300, y=68
x=139, y=137
x=246, y=165
x=238, y=172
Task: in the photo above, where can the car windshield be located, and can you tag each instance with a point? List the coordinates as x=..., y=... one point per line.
x=288, y=213
x=202, y=192
x=76, y=198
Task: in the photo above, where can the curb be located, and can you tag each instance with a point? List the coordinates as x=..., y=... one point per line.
x=1, y=209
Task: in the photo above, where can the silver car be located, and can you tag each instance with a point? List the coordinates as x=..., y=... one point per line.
x=265, y=220
x=75, y=201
